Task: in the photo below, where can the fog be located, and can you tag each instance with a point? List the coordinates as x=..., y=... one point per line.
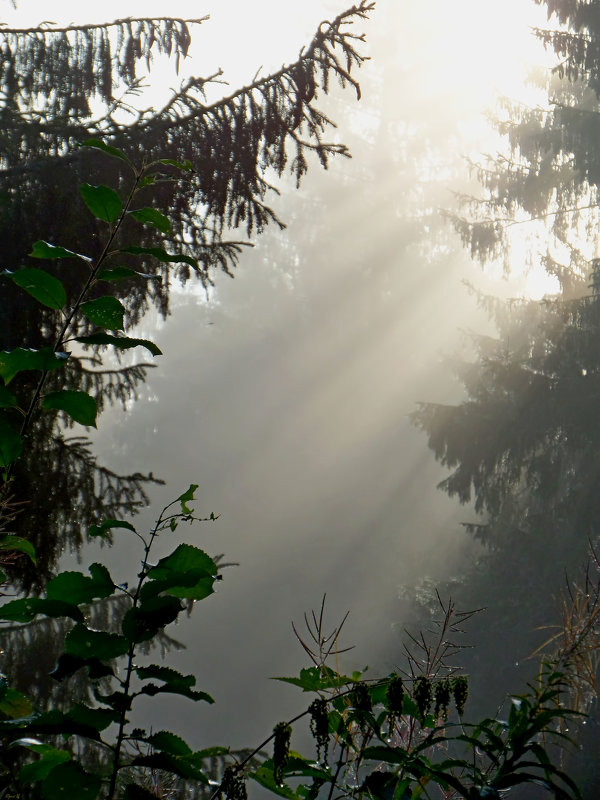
x=285, y=394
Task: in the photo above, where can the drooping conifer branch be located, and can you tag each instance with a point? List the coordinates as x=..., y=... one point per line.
x=61, y=69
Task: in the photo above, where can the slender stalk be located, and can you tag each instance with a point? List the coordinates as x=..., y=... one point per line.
x=76, y=306
x=126, y=683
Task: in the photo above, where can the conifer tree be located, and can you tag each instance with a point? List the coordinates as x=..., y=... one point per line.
x=61, y=86
x=523, y=446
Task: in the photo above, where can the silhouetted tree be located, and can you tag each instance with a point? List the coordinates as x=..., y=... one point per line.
x=60, y=86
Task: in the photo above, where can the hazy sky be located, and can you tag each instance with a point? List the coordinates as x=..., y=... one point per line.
x=286, y=398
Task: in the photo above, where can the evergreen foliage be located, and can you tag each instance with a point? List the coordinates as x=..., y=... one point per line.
x=522, y=447
x=380, y=735
x=230, y=149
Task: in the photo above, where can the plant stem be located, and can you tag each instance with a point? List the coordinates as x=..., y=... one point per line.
x=126, y=683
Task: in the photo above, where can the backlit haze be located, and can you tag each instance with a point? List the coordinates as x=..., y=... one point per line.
x=285, y=394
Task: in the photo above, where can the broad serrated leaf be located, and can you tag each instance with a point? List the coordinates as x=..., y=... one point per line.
x=77, y=588
x=106, y=312
x=123, y=273
x=107, y=525
x=68, y=781
x=38, y=770
x=85, y=642
x=177, y=765
x=98, y=144
x=188, y=572
x=102, y=201
x=150, y=216
x=11, y=444
x=165, y=674
x=10, y=542
x=43, y=249
x=56, y=722
x=23, y=359
x=68, y=665
x=80, y=406
x=44, y=288
x=143, y=623
x=98, y=718
x=27, y=608
x=314, y=679
x=161, y=255
x=120, y=342
x=168, y=742
x=174, y=683
x=264, y=776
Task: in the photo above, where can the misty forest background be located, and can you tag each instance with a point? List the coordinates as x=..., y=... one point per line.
x=302, y=395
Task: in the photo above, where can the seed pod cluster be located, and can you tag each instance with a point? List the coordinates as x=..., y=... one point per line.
x=281, y=749
x=442, y=693
x=319, y=727
x=422, y=694
x=395, y=698
x=460, y=690
x=233, y=786
x=360, y=697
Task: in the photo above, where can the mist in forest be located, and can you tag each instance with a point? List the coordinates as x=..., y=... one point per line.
x=285, y=393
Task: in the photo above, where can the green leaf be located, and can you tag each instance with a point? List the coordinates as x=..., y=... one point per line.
x=78, y=588
x=10, y=542
x=186, y=165
x=84, y=642
x=174, y=683
x=168, y=742
x=98, y=718
x=161, y=255
x=15, y=705
x=120, y=342
x=11, y=444
x=21, y=359
x=27, y=608
x=103, y=202
x=43, y=249
x=38, y=770
x=264, y=776
x=80, y=406
x=150, y=216
x=68, y=781
x=313, y=679
x=7, y=399
x=210, y=752
x=68, y=665
x=106, y=312
x=143, y=623
x=388, y=755
x=176, y=765
x=165, y=674
x=186, y=497
x=45, y=288
x=98, y=144
x=123, y=273
x=107, y=525
x=188, y=572
x=296, y=765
